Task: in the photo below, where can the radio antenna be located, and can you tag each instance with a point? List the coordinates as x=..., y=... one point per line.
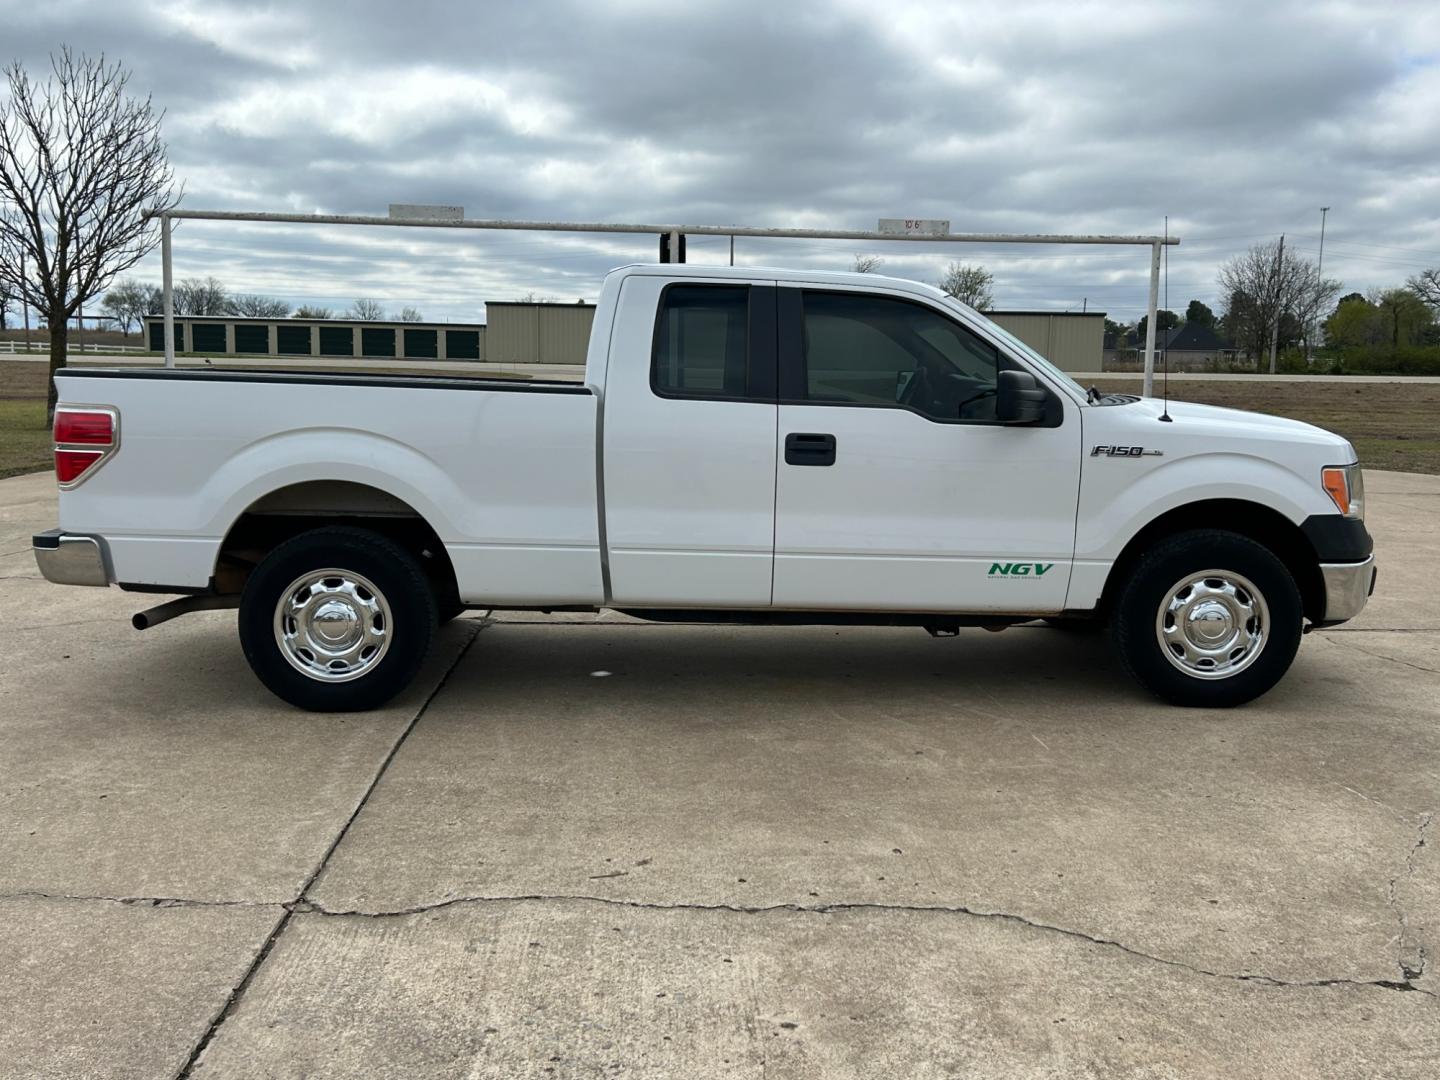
x=1164, y=344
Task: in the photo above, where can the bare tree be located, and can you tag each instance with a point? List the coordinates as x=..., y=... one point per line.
x=1270, y=287
x=1426, y=285
x=81, y=161
x=306, y=311
x=201, y=296
x=973, y=285
x=410, y=314
x=255, y=306
x=128, y=301
x=366, y=311
x=867, y=264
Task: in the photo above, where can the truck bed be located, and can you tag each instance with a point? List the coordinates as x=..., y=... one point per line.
x=503, y=470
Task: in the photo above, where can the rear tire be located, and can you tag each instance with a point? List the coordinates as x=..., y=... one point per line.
x=1208, y=619
x=337, y=620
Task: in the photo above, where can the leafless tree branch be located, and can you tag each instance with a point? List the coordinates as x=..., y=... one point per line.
x=81, y=161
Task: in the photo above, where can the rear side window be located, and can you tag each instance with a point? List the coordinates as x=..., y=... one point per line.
x=701, y=345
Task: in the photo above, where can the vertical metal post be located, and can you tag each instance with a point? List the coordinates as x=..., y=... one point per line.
x=25, y=303
x=1310, y=330
x=1148, y=387
x=732, y=250
x=675, y=246
x=167, y=290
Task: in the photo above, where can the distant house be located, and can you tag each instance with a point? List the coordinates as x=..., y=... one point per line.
x=1191, y=346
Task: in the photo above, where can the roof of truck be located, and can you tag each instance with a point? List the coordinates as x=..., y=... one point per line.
x=749, y=273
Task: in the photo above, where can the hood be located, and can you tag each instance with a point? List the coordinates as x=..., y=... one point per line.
x=1194, y=419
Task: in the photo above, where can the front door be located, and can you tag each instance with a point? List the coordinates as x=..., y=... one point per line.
x=897, y=489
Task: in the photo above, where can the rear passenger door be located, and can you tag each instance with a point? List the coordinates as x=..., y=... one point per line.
x=689, y=444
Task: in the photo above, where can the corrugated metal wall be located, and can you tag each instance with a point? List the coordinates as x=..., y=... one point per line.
x=1072, y=342
x=537, y=333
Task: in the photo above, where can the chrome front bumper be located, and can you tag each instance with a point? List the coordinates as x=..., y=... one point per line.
x=1347, y=587
x=70, y=560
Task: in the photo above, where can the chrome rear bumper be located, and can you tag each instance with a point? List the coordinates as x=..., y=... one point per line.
x=1347, y=587
x=70, y=560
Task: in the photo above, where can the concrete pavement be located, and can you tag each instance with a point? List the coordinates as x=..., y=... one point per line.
x=792, y=853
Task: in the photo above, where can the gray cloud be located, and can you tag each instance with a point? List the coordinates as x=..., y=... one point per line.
x=1238, y=120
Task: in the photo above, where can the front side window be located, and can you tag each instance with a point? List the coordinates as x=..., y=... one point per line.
x=700, y=341
x=875, y=350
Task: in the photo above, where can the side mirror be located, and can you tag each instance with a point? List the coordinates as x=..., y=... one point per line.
x=1019, y=399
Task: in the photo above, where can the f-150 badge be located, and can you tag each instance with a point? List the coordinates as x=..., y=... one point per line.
x=1125, y=451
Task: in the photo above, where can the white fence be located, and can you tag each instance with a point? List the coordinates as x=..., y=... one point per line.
x=13, y=347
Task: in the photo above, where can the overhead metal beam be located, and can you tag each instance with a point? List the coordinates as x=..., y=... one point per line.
x=675, y=231
x=693, y=230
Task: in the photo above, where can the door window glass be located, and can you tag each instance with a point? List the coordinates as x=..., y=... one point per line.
x=700, y=341
x=875, y=350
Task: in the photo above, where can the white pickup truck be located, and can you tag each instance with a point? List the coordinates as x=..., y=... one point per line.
x=748, y=446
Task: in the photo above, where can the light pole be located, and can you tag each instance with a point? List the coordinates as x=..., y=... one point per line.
x=1319, y=267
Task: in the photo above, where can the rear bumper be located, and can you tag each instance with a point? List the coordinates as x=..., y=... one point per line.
x=70, y=560
x=1347, y=587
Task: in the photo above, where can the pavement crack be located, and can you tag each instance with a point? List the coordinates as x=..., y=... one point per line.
x=1412, y=964
x=1392, y=659
x=1405, y=984
x=141, y=901
x=302, y=903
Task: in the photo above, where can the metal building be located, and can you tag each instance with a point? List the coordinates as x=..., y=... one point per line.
x=235, y=336
x=520, y=332
x=531, y=333
x=1072, y=341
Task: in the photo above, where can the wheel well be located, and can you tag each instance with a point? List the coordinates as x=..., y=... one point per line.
x=1260, y=523
x=289, y=511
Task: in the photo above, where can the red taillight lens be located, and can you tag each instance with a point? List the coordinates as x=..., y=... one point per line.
x=85, y=428
x=84, y=437
x=69, y=464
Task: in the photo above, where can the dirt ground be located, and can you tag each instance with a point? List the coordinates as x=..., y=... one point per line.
x=1392, y=425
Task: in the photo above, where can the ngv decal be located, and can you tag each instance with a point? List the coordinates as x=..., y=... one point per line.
x=1019, y=569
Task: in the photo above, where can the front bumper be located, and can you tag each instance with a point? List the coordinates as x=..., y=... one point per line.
x=1347, y=587
x=70, y=560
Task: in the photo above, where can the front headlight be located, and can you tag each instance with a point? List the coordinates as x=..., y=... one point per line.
x=1345, y=484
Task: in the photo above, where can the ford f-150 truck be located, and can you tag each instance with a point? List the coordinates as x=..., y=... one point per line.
x=748, y=446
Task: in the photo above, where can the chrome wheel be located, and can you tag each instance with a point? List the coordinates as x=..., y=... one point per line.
x=1213, y=624
x=332, y=625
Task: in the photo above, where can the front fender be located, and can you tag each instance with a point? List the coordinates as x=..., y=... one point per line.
x=1114, y=506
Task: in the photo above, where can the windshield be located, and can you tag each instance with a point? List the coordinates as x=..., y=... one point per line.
x=1031, y=354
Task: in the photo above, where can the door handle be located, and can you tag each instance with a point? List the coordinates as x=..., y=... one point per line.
x=805, y=448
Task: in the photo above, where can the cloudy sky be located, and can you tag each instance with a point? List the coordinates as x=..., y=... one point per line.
x=1238, y=120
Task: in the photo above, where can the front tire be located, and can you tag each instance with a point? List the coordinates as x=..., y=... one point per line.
x=1208, y=619
x=337, y=620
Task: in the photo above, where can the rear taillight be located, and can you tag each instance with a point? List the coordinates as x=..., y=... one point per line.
x=85, y=435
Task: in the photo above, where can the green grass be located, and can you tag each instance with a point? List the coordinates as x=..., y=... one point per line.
x=25, y=444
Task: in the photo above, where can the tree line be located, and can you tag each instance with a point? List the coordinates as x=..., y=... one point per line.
x=1277, y=302
x=129, y=301
x=1276, y=305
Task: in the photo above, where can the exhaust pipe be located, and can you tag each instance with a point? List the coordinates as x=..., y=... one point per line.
x=143, y=620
